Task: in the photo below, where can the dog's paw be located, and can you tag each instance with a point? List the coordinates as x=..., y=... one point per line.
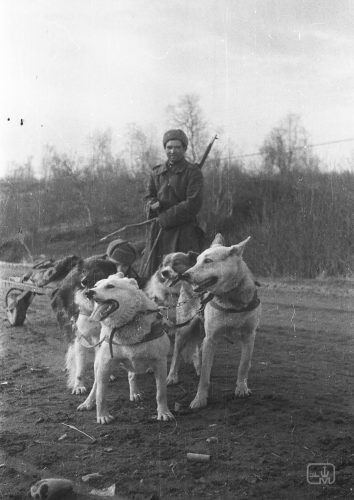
x=198, y=402
x=242, y=390
x=164, y=414
x=172, y=379
x=85, y=406
x=79, y=389
x=104, y=419
x=136, y=397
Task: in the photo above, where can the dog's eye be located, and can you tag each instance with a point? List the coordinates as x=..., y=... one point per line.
x=109, y=286
x=207, y=260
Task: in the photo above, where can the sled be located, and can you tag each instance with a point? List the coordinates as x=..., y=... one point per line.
x=18, y=297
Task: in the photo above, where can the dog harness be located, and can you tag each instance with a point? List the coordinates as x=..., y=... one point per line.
x=157, y=330
x=210, y=297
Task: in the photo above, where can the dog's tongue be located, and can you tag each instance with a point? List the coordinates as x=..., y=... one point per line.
x=103, y=309
x=204, y=285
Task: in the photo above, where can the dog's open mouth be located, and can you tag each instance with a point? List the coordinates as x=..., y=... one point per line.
x=173, y=281
x=104, y=309
x=167, y=278
x=205, y=285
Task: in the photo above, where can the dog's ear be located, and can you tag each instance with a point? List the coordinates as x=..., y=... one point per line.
x=218, y=240
x=119, y=274
x=192, y=257
x=239, y=248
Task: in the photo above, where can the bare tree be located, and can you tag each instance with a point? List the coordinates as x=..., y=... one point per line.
x=141, y=151
x=100, y=150
x=188, y=115
x=287, y=147
x=66, y=183
x=24, y=171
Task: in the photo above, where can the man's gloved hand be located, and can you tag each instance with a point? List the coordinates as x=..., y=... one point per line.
x=150, y=208
x=155, y=206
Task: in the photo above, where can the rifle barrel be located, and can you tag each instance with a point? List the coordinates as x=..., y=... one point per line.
x=207, y=151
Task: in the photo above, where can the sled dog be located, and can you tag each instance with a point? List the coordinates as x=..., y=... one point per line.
x=233, y=308
x=132, y=334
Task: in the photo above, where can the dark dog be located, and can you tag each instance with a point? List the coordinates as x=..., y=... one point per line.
x=51, y=271
x=73, y=309
x=84, y=275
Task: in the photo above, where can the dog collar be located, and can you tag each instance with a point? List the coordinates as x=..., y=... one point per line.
x=253, y=304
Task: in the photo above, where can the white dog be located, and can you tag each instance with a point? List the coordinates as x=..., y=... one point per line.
x=234, y=308
x=132, y=335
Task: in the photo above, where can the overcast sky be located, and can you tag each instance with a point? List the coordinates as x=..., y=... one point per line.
x=70, y=67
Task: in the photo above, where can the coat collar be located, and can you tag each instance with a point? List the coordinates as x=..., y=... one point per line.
x=176, y=169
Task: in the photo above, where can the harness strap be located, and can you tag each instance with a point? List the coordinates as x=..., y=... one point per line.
x=200, y=312
x=90, y=346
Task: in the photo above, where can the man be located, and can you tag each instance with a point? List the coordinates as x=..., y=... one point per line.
x=174, y=197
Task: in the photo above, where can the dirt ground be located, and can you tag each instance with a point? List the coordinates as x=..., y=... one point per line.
x=301, y=412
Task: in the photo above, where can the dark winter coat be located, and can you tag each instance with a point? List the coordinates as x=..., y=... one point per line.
x=179, y=190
